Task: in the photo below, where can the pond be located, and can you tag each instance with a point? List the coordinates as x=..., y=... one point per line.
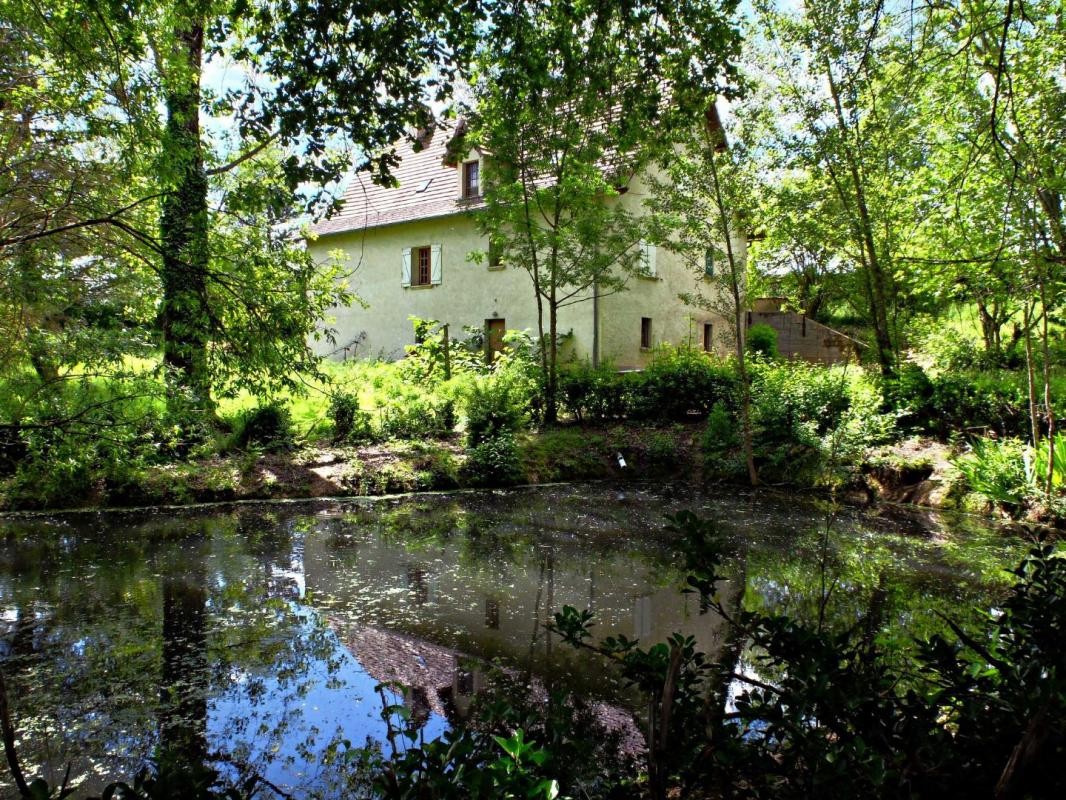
x=258, y=637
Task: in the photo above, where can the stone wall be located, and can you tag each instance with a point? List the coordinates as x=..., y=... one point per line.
x=800, y=337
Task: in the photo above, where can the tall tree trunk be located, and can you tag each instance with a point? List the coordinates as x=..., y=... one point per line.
x=184, y=313
x=989, y=327
x=736, y=280
x=876, y=283
x=1049, y=410
x=551, y=394
x=1030, y=372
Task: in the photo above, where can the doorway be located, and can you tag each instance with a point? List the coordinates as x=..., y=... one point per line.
x=494, y=330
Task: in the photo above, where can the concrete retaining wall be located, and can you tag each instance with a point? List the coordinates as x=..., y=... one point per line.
x=800, y=337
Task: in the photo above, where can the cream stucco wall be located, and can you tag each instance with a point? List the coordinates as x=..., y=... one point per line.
x=658, y=298
x=470, y=294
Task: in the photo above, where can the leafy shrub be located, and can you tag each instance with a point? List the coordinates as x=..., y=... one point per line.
x=948, y=350
x=957, y=401
x=721, y=434
x=812, y=424
x=350, y=423
x=761, y=339
x=495, y=405
x=426, y=362
x=995, y=469
x=494, y=461
x=680, y=381
x=90, y=439
x=268, y=426
x=1041, y=456
x=968, y=402
x=908, y=392
x=662, y=448
x=563, y=454
x=594, y=393
x=792, y=399
x=417, y=416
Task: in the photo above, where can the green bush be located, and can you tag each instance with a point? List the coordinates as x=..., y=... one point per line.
x=813, y=424
x=761, y=340
x=425, y=363
x=663, y=448
x=268, y=426
x=417, y=416
x=495, y=405
x=957, y=401
x=89, y=441
x=967, y=402
x=565, y=454
x=594, y=393
x=995, y=469
x=908, y=393
x=494, y=462
x=946, y=349
x=680, y=381
x=721, y=435
x=350, y=423
x=791, y=400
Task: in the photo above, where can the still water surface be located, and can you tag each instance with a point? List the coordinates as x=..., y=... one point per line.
x=261, y=634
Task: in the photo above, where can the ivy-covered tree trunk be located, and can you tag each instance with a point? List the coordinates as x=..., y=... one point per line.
x=184, y=312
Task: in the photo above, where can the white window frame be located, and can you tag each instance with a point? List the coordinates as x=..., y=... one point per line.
x=648, y=257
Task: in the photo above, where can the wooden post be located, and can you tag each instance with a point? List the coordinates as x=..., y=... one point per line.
x=447, y=353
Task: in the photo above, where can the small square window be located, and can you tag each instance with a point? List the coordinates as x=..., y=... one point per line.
x=708, y=337
x=471, y=179
x=645, y=333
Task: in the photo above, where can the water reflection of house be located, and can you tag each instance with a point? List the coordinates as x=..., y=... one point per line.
x=444, y=681
x=415, y=612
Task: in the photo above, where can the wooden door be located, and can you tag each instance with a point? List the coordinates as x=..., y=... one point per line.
x=494, y=330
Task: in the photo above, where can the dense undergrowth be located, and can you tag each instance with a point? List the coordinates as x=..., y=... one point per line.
x=449, y=418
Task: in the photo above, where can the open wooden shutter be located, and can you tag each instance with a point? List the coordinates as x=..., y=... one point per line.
x=405, y=275
x=435, y=265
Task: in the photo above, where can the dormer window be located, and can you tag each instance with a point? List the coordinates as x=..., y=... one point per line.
x=471, y=179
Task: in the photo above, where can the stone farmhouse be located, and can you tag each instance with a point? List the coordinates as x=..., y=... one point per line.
x=408, y=250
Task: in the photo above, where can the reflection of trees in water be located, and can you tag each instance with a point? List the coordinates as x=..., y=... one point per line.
x=183, y=686
x=99, y=645
x=835, y=575
x=118, y=641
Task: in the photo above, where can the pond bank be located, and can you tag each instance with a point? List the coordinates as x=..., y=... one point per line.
x=913, y=472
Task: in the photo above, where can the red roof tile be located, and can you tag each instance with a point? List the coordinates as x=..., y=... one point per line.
x=427, y=188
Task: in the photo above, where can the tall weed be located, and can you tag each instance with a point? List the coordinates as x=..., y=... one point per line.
x=996, y=470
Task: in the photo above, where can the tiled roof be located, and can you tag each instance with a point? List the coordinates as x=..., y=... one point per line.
x=427, y=188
